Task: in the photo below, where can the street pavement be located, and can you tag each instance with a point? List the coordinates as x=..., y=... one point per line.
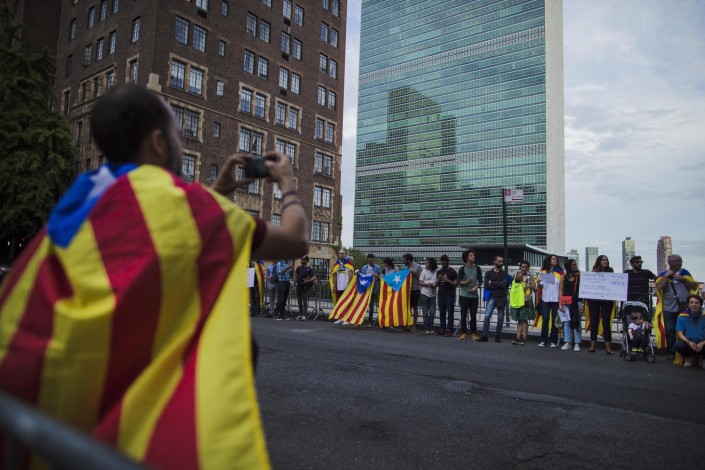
x=343, y=397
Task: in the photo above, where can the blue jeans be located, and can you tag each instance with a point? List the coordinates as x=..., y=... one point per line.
x=428, y=305
x=669, y=320
x=498, y=302
x=446, y=306
x=374, y=300
x=546, y=309
x=568, y=333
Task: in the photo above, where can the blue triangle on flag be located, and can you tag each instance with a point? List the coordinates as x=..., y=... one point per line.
x=363, y=282
x=396, y=280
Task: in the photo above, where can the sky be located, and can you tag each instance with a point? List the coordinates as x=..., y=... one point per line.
x=634, y=93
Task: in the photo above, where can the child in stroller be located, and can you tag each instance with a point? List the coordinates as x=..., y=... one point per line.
x=636, y=331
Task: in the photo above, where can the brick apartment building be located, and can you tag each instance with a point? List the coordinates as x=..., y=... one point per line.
x=240, y=76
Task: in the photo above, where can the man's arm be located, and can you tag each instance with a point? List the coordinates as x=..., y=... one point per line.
x=663, y=280
x=290, y=239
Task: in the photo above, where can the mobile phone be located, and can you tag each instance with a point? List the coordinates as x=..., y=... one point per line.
x=256, y=168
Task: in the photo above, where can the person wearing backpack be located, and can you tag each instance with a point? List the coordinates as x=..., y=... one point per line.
x=469, y=280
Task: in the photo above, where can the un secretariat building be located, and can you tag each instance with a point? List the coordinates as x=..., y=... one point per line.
x=457, y=100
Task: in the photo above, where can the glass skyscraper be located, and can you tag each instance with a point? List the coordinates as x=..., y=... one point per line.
x=457, y=100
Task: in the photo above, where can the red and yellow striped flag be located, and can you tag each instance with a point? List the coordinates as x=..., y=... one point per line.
x=659, y=325
x=346, y=265
x=259, y=281
x=395, y=299
x=355, y=301
x=599, y=327
x=128, y=320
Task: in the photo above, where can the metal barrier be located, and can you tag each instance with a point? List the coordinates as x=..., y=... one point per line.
x=26, y=430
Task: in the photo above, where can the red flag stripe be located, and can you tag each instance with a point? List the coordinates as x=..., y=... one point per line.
x=19, y=266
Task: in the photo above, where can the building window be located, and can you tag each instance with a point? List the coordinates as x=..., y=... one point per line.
x=252, y=188
x=331, y=99
x=251, y=24
x=276, y=219
x=191, y=119
x=96, y=86
x=221, y=48
x=249, y=64
x=287, y=148
x=100, y=45
x=298, y=15
x=262, y=67
x=181, y=27
x=268, y=3
x=136, y=29
x=330, y=132
x=335, y=4
x=195, y=81
x=323, y=164
x=87, y=52
x=219, y=88
x=133, y=66
x=109, y=78
x=326, y=5
x=320, y=124
x=251, y=141
x=295, y=83
x=296, y=49
x=283, y=78
x=224, y=8
x=286, y=9
x=72, y=29
x=188, y=168
x=320, y=267
x=324, y=32
x=112, y=43
x=178, y=73
x=333, y=68
x=213, y=175
x=103, y=10
x=199, y=38
x=321, y=96
x=245, y=100
x=116, y=6
x=216, y=129
x=91, y=17
x=281, y=114
x=264, y=29
x=334, y=37
x=286, y=43
x=69, y=65
x=66, y=103
x=260, y=104
x=293, y=118
x=277, y=192
x=321, y=197
x=202, y=4
x=79, y=132
x=323, y=63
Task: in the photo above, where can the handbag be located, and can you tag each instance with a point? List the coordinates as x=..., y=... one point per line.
x=568, y=299
x=486, y=294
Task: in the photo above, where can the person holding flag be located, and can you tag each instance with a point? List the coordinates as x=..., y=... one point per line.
x=126, y=317
x=340, y=275
x=372, y=268
x=395, y=297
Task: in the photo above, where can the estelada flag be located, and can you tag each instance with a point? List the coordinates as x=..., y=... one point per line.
x=599, y=327
x=347, y=264
x=127, y=319
x=355, y=301
x=659, y=325
x=395, y=299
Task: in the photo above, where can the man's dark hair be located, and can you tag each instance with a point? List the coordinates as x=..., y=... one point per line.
x=432, y=263
x=496, y=257
x=696, y=297
x=522, y=262
x=466, y=253
x=370, y=255
x=409, y=256
x=445, y=258
x=123, y=117
x=634, y=258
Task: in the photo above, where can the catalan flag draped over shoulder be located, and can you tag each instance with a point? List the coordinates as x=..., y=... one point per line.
x=613, y=312
x=355, y=301
x=127, y=318
x=659, y=322
x=344, y=265
x=259, y=281
x=395, y=299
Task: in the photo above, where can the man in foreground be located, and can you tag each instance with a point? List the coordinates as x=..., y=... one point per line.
x=127, y=316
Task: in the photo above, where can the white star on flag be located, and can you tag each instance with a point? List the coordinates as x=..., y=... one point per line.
x=364, y=282
x=397, y=279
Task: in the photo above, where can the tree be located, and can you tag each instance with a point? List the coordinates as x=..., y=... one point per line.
x=35, y=141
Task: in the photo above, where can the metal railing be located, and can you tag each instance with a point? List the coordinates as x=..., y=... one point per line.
x=27, y=431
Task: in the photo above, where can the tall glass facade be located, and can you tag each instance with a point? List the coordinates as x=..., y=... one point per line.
x=452, y=108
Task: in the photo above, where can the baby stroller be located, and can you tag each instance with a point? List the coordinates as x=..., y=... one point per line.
x=628, y=352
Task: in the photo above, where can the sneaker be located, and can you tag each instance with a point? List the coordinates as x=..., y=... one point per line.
x=576, y=348
x=554, y=345
x=542, y=344
x=517, y=341
x=346, y=323
x=428, y=332
x=462, y=336
x=688, y=362
x=278, y=318
x=497, y=339
x=566, y=347
x=474, y=337
x=339, y=322
x=303, y=318
x=431, y=332
x=369, y=325
x=483, y=339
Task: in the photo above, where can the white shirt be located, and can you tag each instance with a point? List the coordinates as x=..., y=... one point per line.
x=550, y=292
x=428, y=276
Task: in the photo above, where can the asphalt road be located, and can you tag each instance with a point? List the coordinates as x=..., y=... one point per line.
x=335, y=397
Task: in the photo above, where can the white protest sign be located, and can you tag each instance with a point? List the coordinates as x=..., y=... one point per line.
x=603, y=286
x=251, y=277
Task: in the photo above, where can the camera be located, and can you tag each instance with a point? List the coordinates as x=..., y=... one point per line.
x=256, y=168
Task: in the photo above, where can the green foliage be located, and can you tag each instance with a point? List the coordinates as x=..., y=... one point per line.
x=358, y=257
x=35, y=142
